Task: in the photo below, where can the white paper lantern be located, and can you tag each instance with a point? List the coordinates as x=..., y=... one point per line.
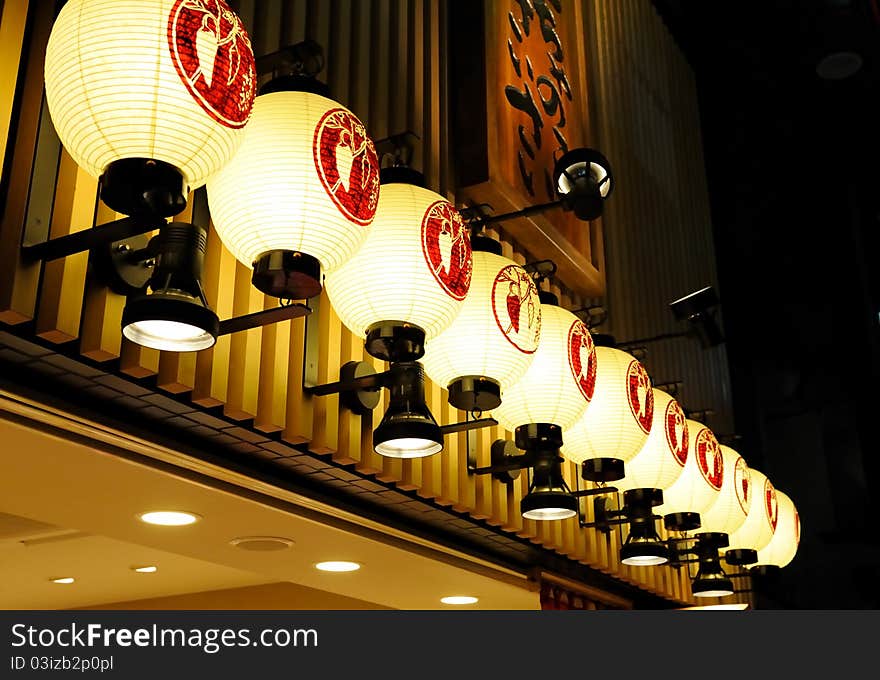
x=731, y=507
x=783, y=546
x=560, y=382
x=305, y=179
x=621, y=412
x=700, y=481
x=170, y=80
x=414, y=267
x=760, y=524
x=663, y=457
x=496, y=333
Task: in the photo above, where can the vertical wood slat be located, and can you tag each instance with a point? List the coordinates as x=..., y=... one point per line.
x=102, y=310
x=13, y=21
x=18, y=284
x=211, y=377
x=63, y=286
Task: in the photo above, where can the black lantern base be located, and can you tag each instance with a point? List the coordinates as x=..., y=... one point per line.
x=144, y=186
x=538, y=436
x=395, y=341
x=475, y=393
x=741, y=557
x=602, y=469
x=287, y=274
x=682, y=521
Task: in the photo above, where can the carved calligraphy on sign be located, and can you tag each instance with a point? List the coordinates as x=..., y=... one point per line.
x=542, y=82
x=536, y=110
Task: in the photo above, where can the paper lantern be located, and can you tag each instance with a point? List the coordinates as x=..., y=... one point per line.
x=413, y=268
x=305, y=180
x=731, y=507
x=662, y=459
x=558, y=385
x=783, y=546
x=495, y=334
x=167, y=80
x=760, y=524
x=702, y=477
x=619, y=419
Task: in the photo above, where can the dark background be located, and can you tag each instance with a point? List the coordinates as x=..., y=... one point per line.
x=792, y=161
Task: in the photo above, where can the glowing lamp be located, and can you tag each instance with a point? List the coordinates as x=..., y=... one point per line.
x=730, y=508
x=559, y=383
x=783, y=546
x=149, y=95
x=662, y=459
x=409, y=280
x=300, y=194
x=621, y=413
x=756, y=532
x=492, y=341
x=700, y=482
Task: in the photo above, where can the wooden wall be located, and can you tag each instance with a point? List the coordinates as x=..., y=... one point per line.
x=387, y=61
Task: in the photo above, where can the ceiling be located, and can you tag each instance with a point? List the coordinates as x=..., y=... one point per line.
x=793, y=177
x=70, y=508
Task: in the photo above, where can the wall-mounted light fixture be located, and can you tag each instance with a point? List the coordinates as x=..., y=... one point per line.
x=643, y=546
x=492, y=341
x=175, y=315
x=299, y=197
x=703, y=549
x=408, y=281
x=152, y=110
x=549, y=496
x=583, y=182
x=408, y=429
x=616, y=425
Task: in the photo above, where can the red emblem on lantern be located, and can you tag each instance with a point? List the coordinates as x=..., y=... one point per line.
x=641, y=397
x=446, y=245
x=742, y=481
x=347, y=164
x=582, y=358
x=709, y=458
x=213, y=56
x=516, y=308
x=770, y=504
x=676, y=432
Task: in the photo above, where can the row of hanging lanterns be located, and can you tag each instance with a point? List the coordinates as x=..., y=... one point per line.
x=158, y=97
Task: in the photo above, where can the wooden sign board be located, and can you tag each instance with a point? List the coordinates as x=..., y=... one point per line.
x=516, y=113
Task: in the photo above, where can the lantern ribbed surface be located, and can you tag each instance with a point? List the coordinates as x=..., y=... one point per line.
x=783, y=546
x=306, y=178
x=701, y=479
x=662, y=459
x=757, y=530
x=496, y=333
x=163, y=79
x=729, y=511
x=621, y=413
x=415, y=265
x=558, y=385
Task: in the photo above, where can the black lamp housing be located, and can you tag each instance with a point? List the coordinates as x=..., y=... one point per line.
x=583, y=180
x=175, y=316
x=407, y=430
x=548, y=497
x=143, y=186
x=697, y=309
x=643, y=546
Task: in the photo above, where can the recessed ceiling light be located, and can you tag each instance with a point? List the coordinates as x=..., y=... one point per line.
x=839, y=65
x=169, y=518
x=459, y=599
x=261, y=543
x=148, y=569
x=65, y=580
x=337, y=566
